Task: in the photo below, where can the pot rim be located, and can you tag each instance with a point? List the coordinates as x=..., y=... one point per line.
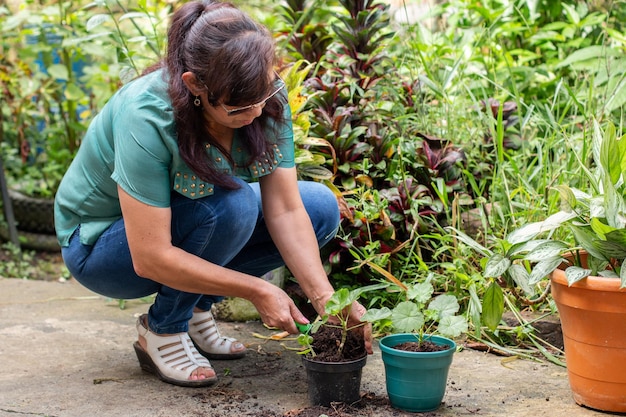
x=591, y=283
x=397, y=338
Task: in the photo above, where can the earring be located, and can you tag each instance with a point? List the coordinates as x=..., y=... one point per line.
x=197, y=101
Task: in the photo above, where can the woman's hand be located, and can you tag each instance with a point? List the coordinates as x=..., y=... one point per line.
x=354, y=320
x=356, y=312
x=277, y=309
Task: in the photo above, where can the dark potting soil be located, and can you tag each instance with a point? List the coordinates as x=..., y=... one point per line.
x=424, y=346
x=326, y=344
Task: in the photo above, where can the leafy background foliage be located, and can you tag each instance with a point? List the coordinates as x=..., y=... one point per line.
x=462, y=121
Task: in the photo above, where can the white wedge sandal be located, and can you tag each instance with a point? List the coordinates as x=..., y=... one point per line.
x=208, y=340
x=171, y=358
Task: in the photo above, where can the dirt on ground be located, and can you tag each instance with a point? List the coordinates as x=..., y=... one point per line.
x=85, y=366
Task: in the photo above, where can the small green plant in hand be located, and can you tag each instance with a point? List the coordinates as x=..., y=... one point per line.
x=337, y=315
x=305, y=339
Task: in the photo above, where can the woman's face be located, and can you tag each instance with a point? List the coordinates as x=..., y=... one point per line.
x=238, y=116
x=220, y=114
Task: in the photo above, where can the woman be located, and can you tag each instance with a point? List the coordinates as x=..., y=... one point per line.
x=185, y=186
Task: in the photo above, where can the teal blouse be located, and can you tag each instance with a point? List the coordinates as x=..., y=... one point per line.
x=132, y=143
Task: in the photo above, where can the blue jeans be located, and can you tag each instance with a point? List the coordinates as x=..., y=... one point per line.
x=226, y=228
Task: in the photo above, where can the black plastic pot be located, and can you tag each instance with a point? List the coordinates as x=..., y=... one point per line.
x=334, y=382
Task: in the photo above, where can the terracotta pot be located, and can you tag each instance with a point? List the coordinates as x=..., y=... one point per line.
x=593, y=319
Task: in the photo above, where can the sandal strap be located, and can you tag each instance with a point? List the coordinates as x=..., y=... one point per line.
x=205, y=334
x=175, y=356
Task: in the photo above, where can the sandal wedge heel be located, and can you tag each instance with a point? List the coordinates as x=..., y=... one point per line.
x=171, y=358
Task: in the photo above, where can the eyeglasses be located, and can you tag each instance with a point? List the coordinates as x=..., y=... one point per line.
x=239, y=110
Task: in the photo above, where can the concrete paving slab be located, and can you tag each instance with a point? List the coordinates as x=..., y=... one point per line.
x=66, y=352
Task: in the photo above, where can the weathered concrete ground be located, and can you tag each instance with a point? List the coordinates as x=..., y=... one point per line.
x=66, y=352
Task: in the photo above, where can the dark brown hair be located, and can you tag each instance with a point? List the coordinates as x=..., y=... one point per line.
x=233, y=56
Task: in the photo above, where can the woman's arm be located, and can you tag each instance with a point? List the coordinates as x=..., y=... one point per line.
x=291, y=230
x=148, y=230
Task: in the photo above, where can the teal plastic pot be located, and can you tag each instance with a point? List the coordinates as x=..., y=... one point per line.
x=416, y=381
x=331, y=382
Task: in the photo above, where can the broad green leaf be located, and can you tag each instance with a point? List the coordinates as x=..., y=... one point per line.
x=600, y=228
x=356, y=293
x=617, y=236
x=529, y=231
x=594, y=52
x=543, y=269
x=97, y=20
x=568, y=199
x=376, y=314
x=493, y=306
x=586, y=240
x=622, y=275
x=420, y=292
x=496, y=266
x=546, y=250
x=610, y=250
x=520, y=275
x=406, y=317
x=58, y=72
x=525, y=247
x=452, y=326
x=571, y=14
x=576, y=273
x=73, y=92
x=338, y=301
x=445, y=305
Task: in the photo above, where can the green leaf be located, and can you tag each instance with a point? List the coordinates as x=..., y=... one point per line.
x=97, y=20
x=610, y=160
x=546, y=250
x=469, y=241
x=529, y=231
x=521, y=277
x=600, y=228
x=356, y=293
x=406, y=317
x=420, y=292
x=617, y=236
x=610, y=250
x=576, y=273
x=475, y=308
x=338, y=301
x=586, y=240
x=622, y=275
x=73, y=92
x=543, y=269
x=496, y=266
x=493, y=306
x=315, y=171
x=594, y=52
x=617, y=99
x=445, y=305
x=376, y=314
x=452, y=326
x=58, y=72
x=568, y=198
